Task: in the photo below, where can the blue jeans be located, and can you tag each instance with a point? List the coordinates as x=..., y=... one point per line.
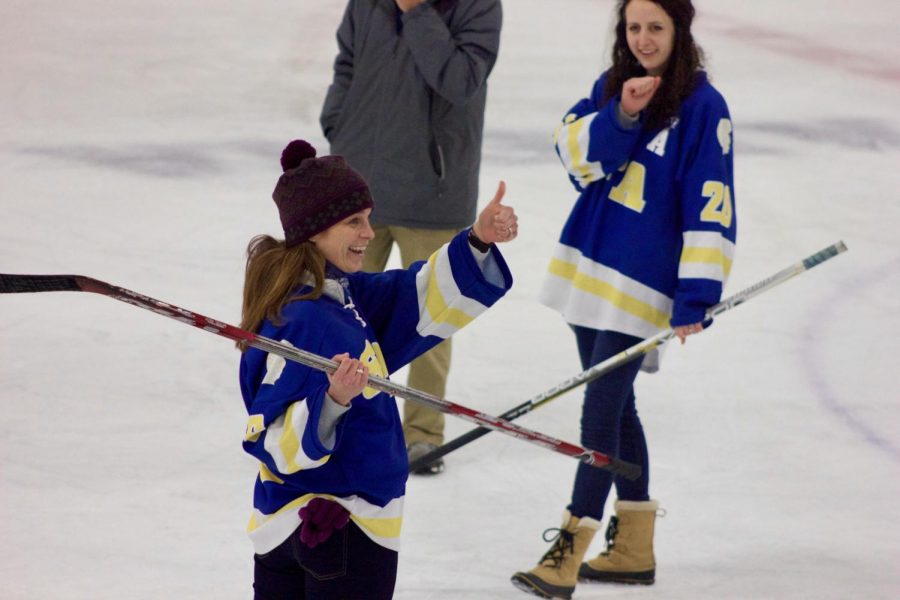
x=346, y=566
x=609, y=424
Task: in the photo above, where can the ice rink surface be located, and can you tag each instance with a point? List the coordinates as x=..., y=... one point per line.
x=139, y=144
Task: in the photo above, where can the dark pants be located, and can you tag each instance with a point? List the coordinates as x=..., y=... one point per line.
x=347, y=566
x=609, y=424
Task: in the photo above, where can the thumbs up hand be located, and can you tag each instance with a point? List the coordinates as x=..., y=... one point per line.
x=497, y=223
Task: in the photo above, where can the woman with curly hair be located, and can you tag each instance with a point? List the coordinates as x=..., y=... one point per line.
x=648, y=245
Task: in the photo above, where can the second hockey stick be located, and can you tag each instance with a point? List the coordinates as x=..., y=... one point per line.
x=629, y=354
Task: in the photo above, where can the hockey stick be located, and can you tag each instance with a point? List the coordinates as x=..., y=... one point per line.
x=629, y=354
x=12, y=284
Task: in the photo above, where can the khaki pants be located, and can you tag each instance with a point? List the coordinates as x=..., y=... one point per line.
x=428, y=372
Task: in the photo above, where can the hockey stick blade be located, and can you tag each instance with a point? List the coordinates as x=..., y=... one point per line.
x=19, y=284
x=639, y=349
x=13, y=284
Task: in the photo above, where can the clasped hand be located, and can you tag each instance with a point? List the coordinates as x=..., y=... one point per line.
x=682, y=331
x=348, y=380
x=637, y=93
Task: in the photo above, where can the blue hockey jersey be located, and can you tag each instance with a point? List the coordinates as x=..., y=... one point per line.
x=386, y=319
x=650, y=240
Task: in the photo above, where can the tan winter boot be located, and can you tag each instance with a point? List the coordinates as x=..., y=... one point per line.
x=629, y=546
x=557, y=573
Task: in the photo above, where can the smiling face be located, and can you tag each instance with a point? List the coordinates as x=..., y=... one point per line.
x=650, y=32
x=344, y=243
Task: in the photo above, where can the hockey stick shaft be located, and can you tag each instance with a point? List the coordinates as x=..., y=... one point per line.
x=80, y=283
x=629, y=354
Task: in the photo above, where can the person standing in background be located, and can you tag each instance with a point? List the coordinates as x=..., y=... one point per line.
x=648, y=245
x=406, y=110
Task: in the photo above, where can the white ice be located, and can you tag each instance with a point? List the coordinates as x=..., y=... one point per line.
x=139, y=144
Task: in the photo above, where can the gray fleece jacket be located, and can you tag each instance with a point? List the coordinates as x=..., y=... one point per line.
x=406, y=106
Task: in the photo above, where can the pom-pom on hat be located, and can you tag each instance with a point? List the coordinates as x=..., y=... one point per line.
x=315, y=193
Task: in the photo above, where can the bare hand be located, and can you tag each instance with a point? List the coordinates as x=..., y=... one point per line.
x=497, y=223
x=349, y=380
x=637, y=93
x=408, y=5
x=682, y=331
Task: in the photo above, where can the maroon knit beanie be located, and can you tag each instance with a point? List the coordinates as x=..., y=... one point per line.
x=315, y=193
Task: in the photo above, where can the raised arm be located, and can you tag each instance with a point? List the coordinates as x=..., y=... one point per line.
x=454, y=63
x=593, y=139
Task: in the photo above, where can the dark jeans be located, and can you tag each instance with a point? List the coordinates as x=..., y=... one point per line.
x=347, y=566
x=609, y=424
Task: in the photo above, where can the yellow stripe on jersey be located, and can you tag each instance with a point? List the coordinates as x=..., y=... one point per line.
x=289, y=442
x=381, y=523
x=609, y=292
x=706, y=255
x=579, y=165
x=572, y=140
x=283, y=440
x=435, y=304
x=287, y=513
x=443, y=308
x=265, y=474
x=381, y=528
x=710, y=256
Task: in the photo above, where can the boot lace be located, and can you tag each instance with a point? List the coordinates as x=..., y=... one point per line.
x=611, y=530
x=563, y=543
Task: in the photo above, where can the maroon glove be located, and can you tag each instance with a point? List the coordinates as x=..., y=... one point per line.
x=319, y=519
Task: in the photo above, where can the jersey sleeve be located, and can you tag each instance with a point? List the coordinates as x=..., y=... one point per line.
x=709, y=221
x=590, y=141
x=284, y=410
x=413, y=310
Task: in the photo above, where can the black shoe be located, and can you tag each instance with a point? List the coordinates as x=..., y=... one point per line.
x=419, y=449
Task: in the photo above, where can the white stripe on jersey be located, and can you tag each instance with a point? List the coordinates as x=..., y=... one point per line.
x=572, y=141
x=443, y=309
x=576, y=283
x=706, y=255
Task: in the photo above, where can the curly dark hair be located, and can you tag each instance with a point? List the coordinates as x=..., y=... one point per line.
x=679, y=78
